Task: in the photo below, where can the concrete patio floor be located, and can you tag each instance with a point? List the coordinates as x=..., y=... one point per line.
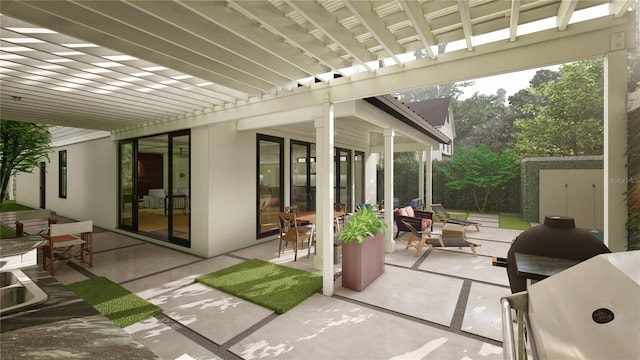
x=441, y=305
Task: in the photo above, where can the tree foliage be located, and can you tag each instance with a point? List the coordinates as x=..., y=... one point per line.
x=405, y=176
x=452, y=90
x=567, y=118
x=482, y=120
x=22, y=145
x=480, y=171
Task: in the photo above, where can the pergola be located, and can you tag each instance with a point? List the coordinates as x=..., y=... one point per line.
x=127, y=67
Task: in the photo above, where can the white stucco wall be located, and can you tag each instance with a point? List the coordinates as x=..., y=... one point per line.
x=577, y=193
x=92, y=183
x=232, y=188
x=199, y=192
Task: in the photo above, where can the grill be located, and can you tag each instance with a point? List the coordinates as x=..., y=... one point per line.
x=572, y=297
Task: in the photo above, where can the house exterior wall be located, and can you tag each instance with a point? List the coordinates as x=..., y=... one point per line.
x=232, y=198
x=223, y=175
x=91, y=183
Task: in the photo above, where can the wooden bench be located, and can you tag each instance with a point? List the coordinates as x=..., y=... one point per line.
x=33, y=222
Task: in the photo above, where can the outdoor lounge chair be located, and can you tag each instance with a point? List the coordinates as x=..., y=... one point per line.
x=422, y=220
x=452, y=236
x=444, y=216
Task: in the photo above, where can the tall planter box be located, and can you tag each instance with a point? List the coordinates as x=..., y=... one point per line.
x=362, y=263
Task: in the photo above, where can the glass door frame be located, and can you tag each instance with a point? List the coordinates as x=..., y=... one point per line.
x=280, y=142
x=170, y=195
x=338, y=185
x=308, y=160
x=134, y=186
x=133, y=198
x=359, y=186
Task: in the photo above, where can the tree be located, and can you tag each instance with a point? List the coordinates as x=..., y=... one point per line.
x=480, y=171
x=452, y=90
x=405, y=176
x=482, y=120
x=22, y=146
x=571, y=120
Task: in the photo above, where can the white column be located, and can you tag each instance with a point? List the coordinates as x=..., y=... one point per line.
x=429, y=186
x=421, y=174
x=389, y=134
x=325, y=196
x=287, y=170
x=370, y=175
x=615, y=147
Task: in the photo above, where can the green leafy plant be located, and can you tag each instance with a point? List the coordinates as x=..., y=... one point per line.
x=480, y=171
x=23, y=146
x=364, y=222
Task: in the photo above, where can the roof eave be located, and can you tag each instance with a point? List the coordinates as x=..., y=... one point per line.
x=397, y=109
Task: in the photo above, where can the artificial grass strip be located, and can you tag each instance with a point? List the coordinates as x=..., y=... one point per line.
x=513, y=222
x=118, y=304
x=276, y=287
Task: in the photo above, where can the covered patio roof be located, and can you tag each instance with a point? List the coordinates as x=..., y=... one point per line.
x=136, y=68
x=120, y=65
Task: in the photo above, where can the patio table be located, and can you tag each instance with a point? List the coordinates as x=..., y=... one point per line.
x=310, y=217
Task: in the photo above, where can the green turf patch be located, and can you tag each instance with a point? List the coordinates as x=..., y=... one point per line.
x=6, y=233
x=513, y=222
x=115, y=302
x=270, y=285
x=10, y=205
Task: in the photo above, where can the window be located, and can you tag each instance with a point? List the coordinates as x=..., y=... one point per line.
x=62, y=174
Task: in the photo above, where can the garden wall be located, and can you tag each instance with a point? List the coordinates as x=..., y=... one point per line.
x=506, y=199
x=530, y=169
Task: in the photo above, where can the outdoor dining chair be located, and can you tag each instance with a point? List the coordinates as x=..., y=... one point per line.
x=68, y=241
x=291, y=232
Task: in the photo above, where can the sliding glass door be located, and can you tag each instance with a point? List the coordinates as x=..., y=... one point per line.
x=128, y=218
x=343, y=177
x=155, y=186
x=178, y=206
x=303, y=175
x=270, y=193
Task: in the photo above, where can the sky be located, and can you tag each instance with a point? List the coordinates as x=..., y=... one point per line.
x=511, y=82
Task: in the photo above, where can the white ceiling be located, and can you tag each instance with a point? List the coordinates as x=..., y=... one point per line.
x=109, y=65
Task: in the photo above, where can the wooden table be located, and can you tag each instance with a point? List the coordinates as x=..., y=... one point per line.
x=537, y=267
x=311, y=217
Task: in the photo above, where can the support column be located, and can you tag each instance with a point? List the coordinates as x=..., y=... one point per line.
x=390, y=243
x=324, y=196
x=615, y=147
x=421, y=174
x=429, y=186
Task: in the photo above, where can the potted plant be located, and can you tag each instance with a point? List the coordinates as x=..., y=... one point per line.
x=362, y=248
